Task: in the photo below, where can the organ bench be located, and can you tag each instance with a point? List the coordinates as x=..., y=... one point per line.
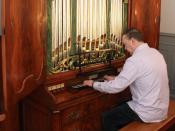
x=166, y=125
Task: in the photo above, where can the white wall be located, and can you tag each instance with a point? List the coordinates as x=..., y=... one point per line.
x=167, y=21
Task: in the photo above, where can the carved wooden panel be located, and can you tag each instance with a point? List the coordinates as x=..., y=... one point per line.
x=92, y=122
x=23, y=40
x=145, y=15
x=24, y=44
x=36, y=112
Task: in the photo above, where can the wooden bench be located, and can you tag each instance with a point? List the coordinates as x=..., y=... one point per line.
x=166, y=125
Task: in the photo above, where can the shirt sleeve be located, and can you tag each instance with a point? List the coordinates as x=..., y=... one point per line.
x=128, y=75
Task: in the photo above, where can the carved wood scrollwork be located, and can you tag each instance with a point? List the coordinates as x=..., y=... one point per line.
x=73, y=115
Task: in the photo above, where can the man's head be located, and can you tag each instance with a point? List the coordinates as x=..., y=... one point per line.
x=132, y=38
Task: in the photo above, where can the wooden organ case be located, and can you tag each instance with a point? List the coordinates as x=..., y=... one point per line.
x=32, y=99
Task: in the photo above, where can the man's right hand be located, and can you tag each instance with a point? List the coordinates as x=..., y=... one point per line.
x=88, y=83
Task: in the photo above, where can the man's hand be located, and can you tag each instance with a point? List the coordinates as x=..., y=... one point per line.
x=108, y=78
x=88, y=83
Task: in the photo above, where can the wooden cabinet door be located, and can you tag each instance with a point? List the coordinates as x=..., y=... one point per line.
x=145, y=15
x=23, y=40
x=23, y=45
x=92, y=122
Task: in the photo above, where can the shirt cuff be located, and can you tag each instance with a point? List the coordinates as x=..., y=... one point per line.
x=96, y=85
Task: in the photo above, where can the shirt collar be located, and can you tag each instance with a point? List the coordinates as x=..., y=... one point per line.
x=141, y=47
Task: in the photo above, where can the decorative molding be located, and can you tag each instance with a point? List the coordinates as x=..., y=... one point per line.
x=28, y=78
x=167, y=39
x=167, y=34
x=167, y=48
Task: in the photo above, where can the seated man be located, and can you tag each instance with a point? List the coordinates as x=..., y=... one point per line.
x=145, y=72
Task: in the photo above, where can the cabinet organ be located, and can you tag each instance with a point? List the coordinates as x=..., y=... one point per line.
x=46, y=44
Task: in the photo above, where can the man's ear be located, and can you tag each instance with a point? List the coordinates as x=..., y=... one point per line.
x=133, y=41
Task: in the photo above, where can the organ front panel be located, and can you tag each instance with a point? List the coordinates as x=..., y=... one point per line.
x=84, y=43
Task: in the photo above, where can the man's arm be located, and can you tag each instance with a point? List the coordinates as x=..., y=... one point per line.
x=121, y=82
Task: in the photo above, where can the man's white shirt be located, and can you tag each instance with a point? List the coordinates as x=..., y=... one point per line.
x=145, y=72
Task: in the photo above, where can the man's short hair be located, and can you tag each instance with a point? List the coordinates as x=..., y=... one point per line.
x=133, y=33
